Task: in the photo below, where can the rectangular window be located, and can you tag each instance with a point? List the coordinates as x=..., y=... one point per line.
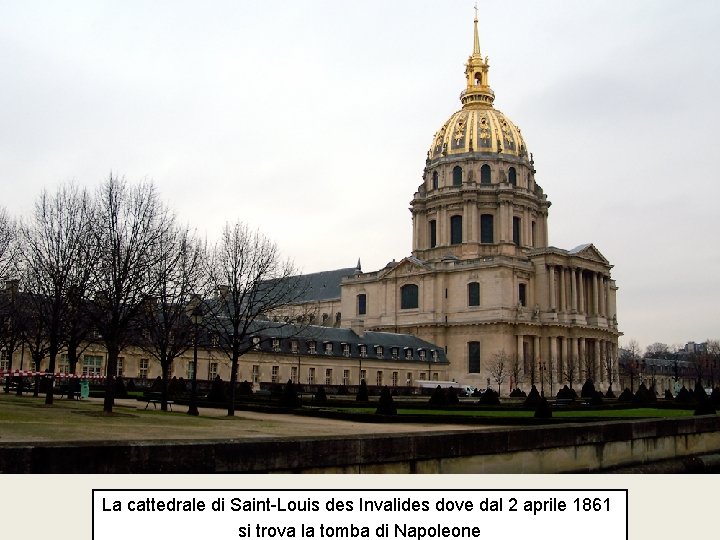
x=409, y=295
x=395, y=378
x=92, y=366
x=379, y=351
x=212, y=371
x=363, y=351
x=516, y=231
x=409, y=379
x=456, y=230
x=346, y=377
x=379, y=378
x=294, y=346
x=328, y=377
x=311, y=375
x=435, y=376
x=473, y=294
x=346, y=349
x=119, y=366
x=487, y=233
x=395, y=352
x=255, y=374
x=433, y=233
x=422, y=376
x=328, y=348
x=144, y=364
x=63, y=364
x=275, y=374
x=189, y=370
x=408, y=353
x=311, y=347
x=363, y=374
x=522, y=298
x=4, y=360
x=294, y=375
x=532, y=234
x=361, y=304
x=474, y=357
x=276, y=345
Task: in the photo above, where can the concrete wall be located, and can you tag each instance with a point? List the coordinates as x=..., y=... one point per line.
x=542, y=449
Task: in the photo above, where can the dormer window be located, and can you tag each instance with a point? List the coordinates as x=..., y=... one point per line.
x=421, y=354
x=276, y=345
x=294, y=346
x=363, y=351
x=328, y=347
x=346, y=349
x=379, y=351
x=408, y=353
x=395, y=353
x=311, y=347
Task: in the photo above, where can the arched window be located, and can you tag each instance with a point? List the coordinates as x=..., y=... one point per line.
x=361, y=304
x=487, y=235
x=409, y=296
x=485, y=174
x=433, y=233
x=435, y=180
x=456, y=230
x=516, y=230
x=473, y=294
x=457, y=176
x=473, y=357
x=512, y=176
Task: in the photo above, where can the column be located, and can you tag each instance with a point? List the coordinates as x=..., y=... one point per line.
x=581, y=292
x=551, y=283
x=552, y=361
x=563, y=291
x=573, y=290
x=520, y=355
x=595, y=308
x=599, y=368
x=607, y=298
x=573, y=361
x=601, y=295
x=565, y=351
x=502, y=222
x=583, y=364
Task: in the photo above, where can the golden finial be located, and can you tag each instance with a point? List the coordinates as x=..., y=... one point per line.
x=476, y=44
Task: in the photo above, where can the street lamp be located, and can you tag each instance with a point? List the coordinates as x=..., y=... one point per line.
x=196, y=317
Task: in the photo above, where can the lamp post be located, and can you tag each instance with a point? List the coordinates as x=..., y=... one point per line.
x=196, y=317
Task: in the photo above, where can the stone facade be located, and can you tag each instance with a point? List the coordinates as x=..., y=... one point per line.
x=483, y=281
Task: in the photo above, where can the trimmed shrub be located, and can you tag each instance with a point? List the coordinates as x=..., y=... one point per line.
x=715, y=397
x=626, y=396
x=439, y=397
x=684, y=396
x=289, y=397
x=451, y=396
x=543, y=409
x=217, y=390
x=668, y=394
x=131, y=386
x=644, y=395
x=362, y=394
x=596, y=399
x=489, y=397
x=320, y=396
x=245, y=388
x=610, y=394
x=532, y=401
x=588, y=389
x=120, y=390
x=343, y=390
x=517, y=393
x=566, y=393
x=386, y=404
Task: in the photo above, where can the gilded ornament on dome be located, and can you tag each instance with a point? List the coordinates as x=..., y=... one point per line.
x=484, y=132
x=459, y=130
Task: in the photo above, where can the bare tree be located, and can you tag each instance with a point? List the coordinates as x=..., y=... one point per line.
x=178, y=274
x=56, y=257
x=250, y=281
x=572, y=370
x=515, y=371
x=131, y=221
x=656, y=350
x=8, y=236
x=499, y=368
x=630, y=361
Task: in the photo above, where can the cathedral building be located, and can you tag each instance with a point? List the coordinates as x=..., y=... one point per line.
x=483, y=282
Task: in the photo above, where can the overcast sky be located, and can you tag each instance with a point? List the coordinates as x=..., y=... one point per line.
x=311, y=121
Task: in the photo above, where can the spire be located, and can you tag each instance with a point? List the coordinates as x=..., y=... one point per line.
x=478, y=93
x=476, y=44
x=358, y=268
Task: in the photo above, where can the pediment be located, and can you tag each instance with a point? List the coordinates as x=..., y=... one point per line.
x=406, y=267
x=590, y=253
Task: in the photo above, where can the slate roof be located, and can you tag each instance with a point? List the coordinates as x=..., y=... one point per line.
x=319, y=286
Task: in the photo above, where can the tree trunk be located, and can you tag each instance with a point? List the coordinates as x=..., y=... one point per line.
x=164, y=387
x=109, y=401
x=51, y=382
x=233, y=384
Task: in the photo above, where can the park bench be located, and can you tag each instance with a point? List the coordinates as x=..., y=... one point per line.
x=156, y=398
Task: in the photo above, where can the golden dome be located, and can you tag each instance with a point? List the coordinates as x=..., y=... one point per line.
x=477, y=127
x=473, y=130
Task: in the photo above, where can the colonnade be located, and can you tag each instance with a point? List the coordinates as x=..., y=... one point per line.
x=561, y=359
x=578, y=290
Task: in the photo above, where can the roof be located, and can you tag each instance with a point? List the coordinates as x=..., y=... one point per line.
x=319, y=286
